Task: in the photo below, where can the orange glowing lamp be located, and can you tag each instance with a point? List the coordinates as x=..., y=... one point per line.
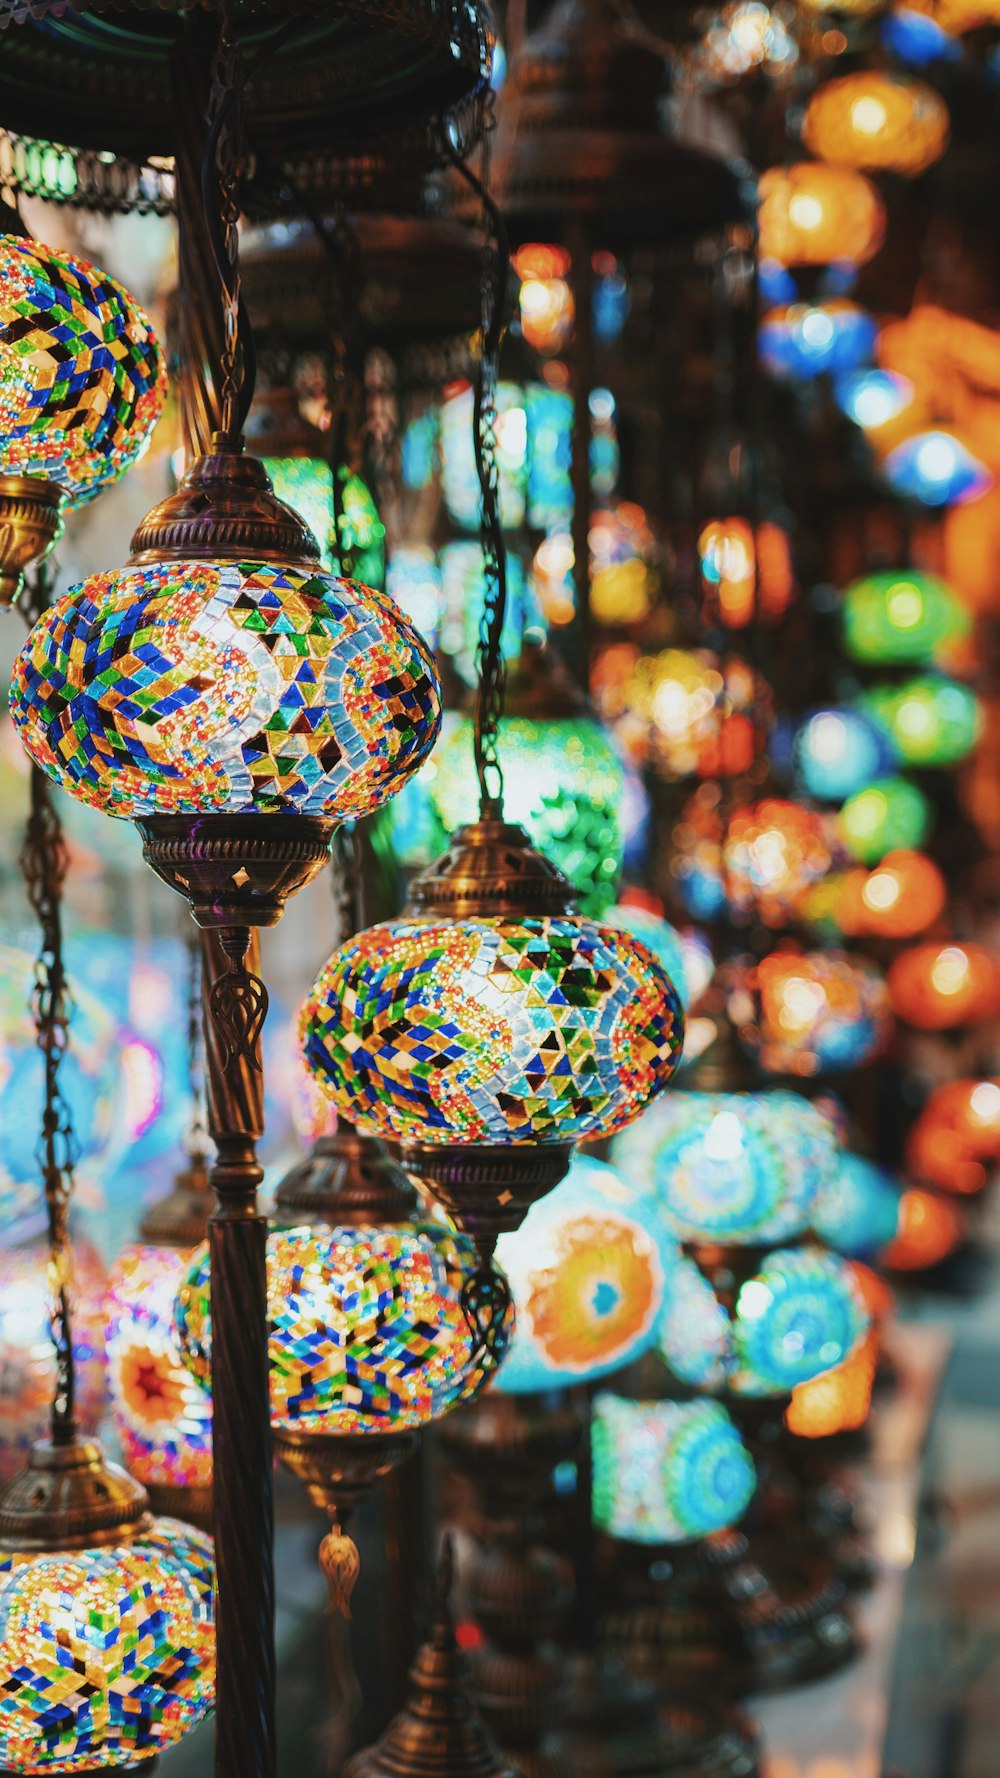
x=839, y=1400
x=546, y=297
x=937, y=987
x=877, y=122
x=900, y=898
x=956, y=1135
x=930, y=1228
x=746, y=576
x=813, y=214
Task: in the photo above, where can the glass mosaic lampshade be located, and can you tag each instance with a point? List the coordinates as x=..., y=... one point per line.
x=586, y=1270
x=731, y=1167
x=666, y=1472
x=838, y=1401
x=306, y=483
x=746, y=572
x=937, y=468
x=771, y=853
x=563, y=782
x=108, y=1651
x=901, y=617
x=367, y=1333
x=200, y=688
x=858, y=1212
x=877, y=121
x=82, y=384
x=889, y=814
x=686, y=956
x=162, y=1417
x=838, y=751
x=497, y=1031
x=684, y=711
x=933, y=721
x=818, y=1012
x=931, y=1228
x=800, y=1314
x=957, y=1136
x=813, y=214
x=803, y=341
x=939, y=987
x=27, y=1357
x=900, y=898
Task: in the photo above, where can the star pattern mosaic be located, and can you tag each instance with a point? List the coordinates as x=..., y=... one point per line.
x=367, y=1330
x=107, y=1656
x=82, y=379
x=191, y=687
x=484, y=1031
x=162, y=1418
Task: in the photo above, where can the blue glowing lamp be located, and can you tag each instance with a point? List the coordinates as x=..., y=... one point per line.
x=838, y=751
x=858, y=1212
x=587, y=1270
x=800, y=1314
x=804, y=341
x=731, y=1167
x=666, y=1472
x=871, y=398
x=937, y=469
x=917, y=39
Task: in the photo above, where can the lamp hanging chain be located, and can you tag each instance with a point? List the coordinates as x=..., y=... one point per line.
x=489, y=656
x=43, y=864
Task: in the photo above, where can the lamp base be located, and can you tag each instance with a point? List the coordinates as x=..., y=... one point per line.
x=31, y=522
x=192, y=1505
x=347, y=1179
x=236, y=870
x=488, y=1190
x=340, y=1470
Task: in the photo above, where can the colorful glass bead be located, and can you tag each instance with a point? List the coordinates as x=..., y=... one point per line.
x=199, y=688
x=162, y=1417
x=742, y=1167
x=366, y=1327
x=107, y=1656
x=492, y=1030
x=82, y=379
x=667, y=1471
x=27, y=1356
x=562, y=781
x=587, y=1270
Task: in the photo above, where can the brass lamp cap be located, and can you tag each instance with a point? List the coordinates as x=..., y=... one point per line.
x=225, y=510
x=348, y=1179
x=181, y=1218
x=491, y=870
x=71, y=1498
x=31, y=521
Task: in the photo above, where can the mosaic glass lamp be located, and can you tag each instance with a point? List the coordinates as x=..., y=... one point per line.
x=933, y=721
x=587, y=1273
x=307, y=484
x=901, y=617
x=877, y=121
x=82, y=384
x=686, y=956
x=27, y=1358
x=838, y=751
x=761, y=860
x=871, y=397
x=491, y=1018
x=817, y=1012
x=802, y=341
x=937, y=987
x=222, y=677
x=162, y=1417
x=839, y=1400
x=746, y=572
x=667, y=1472
x=900, y=898
x=937, y=468
x=108, y=1651
x=813, y=214
x=957, y=1136
x=731, y=1167
x=797, y=1314
x=889, y=814
x=931, y=1228
x=858, y=1212
x=367, y=1332
x=685, y=711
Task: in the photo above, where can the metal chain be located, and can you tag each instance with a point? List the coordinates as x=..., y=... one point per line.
x=43, y=862
x=225, y=112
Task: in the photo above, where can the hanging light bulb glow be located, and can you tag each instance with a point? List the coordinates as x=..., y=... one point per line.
x=545, y=297
x=813, y=214
x=930, y=1229
x=683, y=711
x=666, y=1472
x=901, y=617
x=937, y=469
x=731, y=1167
x=938, y=987
x=746, y=574
x=763, y=862
x=871, y=398
x=820, y=1011
x=878, y=122
x=803, y=341
x=900, y=898
x=891, y=814
x=82, y=378
x=838, y=751
x=957, y=1136
x=586, y=1270
x=933, y=721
